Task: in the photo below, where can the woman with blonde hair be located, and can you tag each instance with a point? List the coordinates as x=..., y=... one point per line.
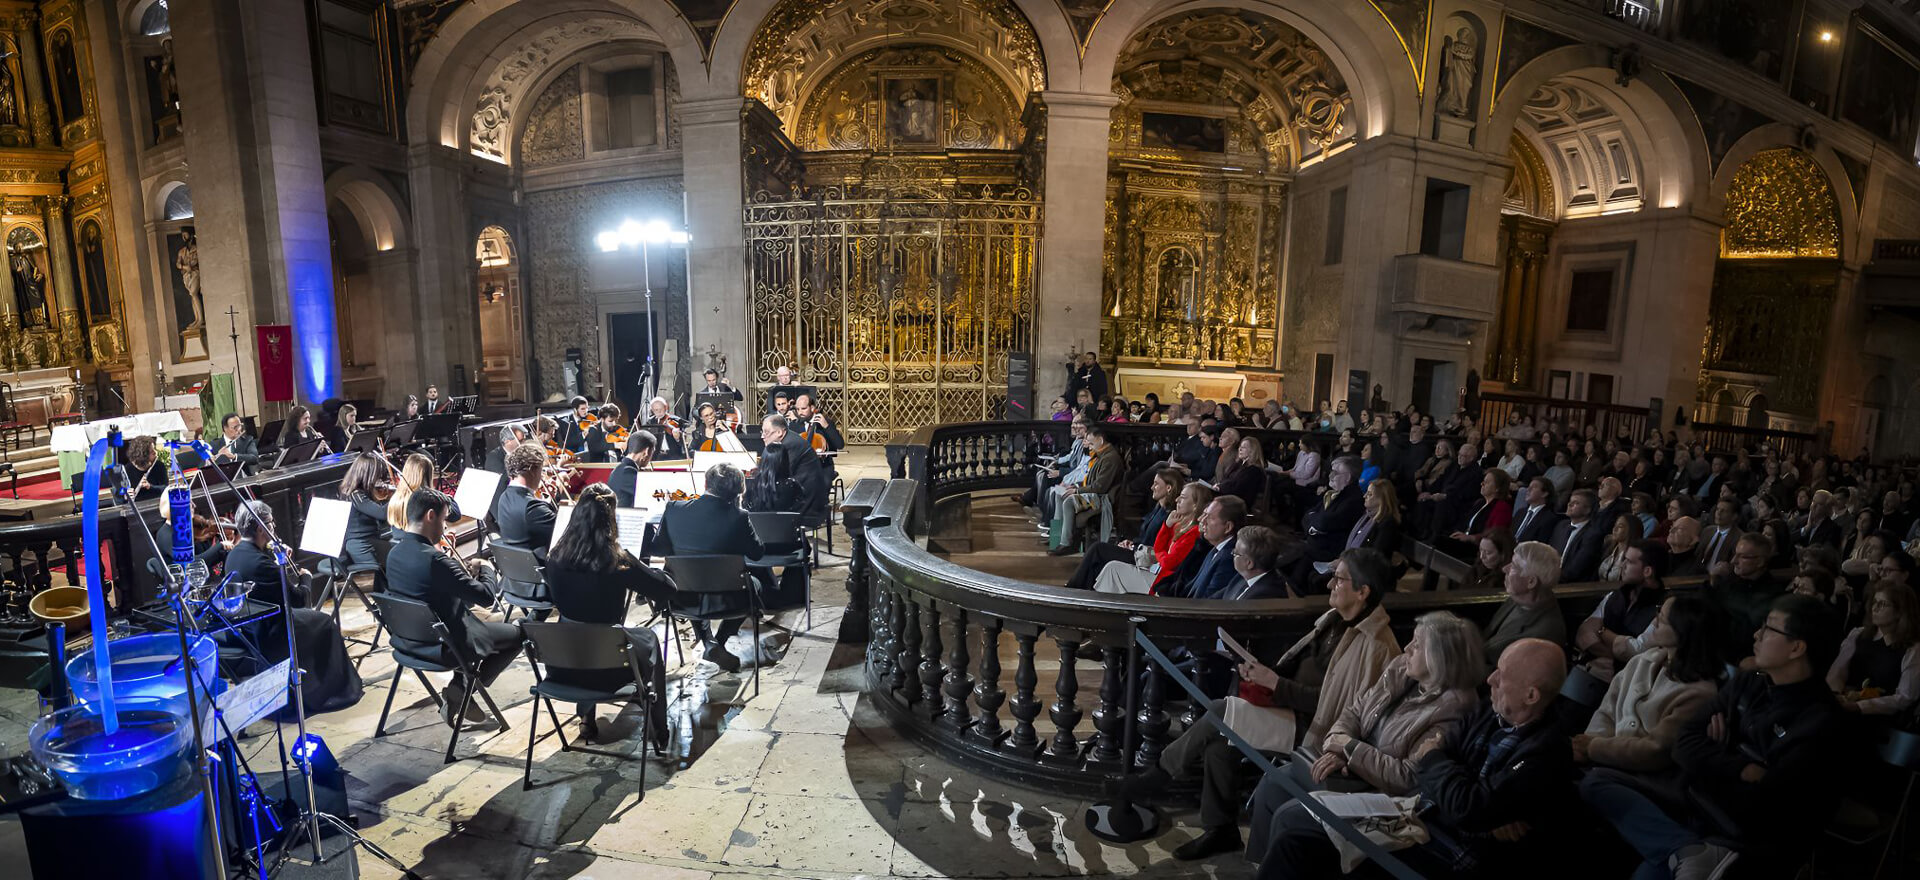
x=416, y=473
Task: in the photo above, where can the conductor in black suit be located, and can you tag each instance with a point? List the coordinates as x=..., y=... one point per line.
x=1579, y=539
x=791, y=477
x=418, y=570
x=636, y=457
x=525, y=521
x=713, y=525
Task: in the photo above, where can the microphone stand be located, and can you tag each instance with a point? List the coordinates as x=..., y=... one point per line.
x=308, y=822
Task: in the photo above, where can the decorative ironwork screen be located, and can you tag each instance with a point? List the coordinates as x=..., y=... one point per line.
x=901, y=310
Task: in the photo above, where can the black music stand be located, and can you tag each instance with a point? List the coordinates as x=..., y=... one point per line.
x=403, y=433
x=298, y=453
x=364, y=441
x=271, y=433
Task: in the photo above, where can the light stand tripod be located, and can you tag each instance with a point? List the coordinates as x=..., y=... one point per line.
x=649, y=385
x=311, y=817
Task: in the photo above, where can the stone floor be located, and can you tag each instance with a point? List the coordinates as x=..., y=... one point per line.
x=803, y=780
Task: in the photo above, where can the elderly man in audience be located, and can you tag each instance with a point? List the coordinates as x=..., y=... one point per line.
x=1819, y=527
x=1073, y=499
x=1611, y=503
x=1658, y=691
x=1290, y=703
x=1496, y=786
x=1617, y=629
x=1530, y=611
x=1256, y=551
x=1745, y=588
x=1579, y=539
x=1071, y=463
x=1756, y=762
x=1458, y=493
x=1379, y=739
x=1878, y=670
x=1331, y=518
x=1215, y=577
x=1683, y=548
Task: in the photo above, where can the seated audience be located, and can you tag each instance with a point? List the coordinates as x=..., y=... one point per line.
x=1756, y=763
x=1617, y=629
x=1578, y=539
x=1625, y=533
x=1247, y=478
x=1530, y=610
x=1878, y=669
x=1290, y=703
x=1164, y=488
x=1495, y=510
x=1213, y=576
x=1658, y=690
x=1160, y=566
x=1746, y=589
x=1496, y=785
x=1683, y=548
x=1255, y=553
x=1491, y=554
x=1379, y=524
x=1330, y=521
x=1104, y=467
x=1537, y=521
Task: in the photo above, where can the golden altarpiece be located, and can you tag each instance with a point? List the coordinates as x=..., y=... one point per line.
x=60, y=309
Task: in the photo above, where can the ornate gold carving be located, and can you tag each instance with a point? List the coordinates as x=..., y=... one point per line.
x=1780, y=205
x=973, y=110
x=1530, y=189
x=507, y=84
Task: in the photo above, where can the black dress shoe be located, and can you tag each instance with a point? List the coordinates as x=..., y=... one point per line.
x=719, y=656
x=589, y=728
x=1139, y=786
x=1212, y=842
x=1063, y=550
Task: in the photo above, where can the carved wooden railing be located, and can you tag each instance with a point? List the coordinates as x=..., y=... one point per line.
x=1027, y=681
x=1573, y=415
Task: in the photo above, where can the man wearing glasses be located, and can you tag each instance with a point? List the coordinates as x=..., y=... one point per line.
x=1758, y=761
x=1746, y=590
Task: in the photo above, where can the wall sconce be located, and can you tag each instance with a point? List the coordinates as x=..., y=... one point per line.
x=493, y=293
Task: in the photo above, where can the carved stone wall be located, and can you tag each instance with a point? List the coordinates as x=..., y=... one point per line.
x=860, y=106
x=554, y=131
x=505, y=89
x=563, y=311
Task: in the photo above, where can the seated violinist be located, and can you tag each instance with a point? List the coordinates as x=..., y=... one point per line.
x=574, y=426
x=637, y=457
x=605, y=435
x=525, y=520
x=815, y=428
x=673, y=434
x=544, y=431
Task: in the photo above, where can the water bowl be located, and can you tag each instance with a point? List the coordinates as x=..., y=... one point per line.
x=145, y=753
x=143, y=666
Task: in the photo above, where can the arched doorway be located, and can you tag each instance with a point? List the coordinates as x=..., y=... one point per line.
x=503, y=373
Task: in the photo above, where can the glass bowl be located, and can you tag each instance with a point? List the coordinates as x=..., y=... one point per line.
x=145, y=753
x=144, y=666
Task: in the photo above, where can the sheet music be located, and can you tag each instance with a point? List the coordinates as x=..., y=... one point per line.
x=475, y=492
x=562, y=514
x=745, y=461
x=633, y=525
x=729, y=442
x=1360, y=805
x=1236, y=647
x=326, y=526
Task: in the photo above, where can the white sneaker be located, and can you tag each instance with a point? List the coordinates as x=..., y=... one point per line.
x=1702, y=861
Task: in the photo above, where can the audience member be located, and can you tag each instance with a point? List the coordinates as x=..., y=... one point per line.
x=1578, y=539
x=1683, y=548
x=1530, y=611
x=1158, y=567
x=1746, y=589
x=1626, y=530
x=1878, y=669
x=1255, y=554
x=1537, y=521
x=1164, y=490
x=1658, y=690
x=1104, y=467
x=1215, y=576
x=1248, y=476
x=1617, y=629
x=1330, y=521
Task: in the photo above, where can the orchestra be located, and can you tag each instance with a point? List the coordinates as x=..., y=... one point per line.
x=605, y=434
x=575, y=425
x=672, y=442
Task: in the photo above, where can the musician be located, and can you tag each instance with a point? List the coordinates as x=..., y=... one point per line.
x=600, y=447
x=790, y=476
x=328, y=681
x=410, y=412
x=815, y=428
x=591, y=574
x=544, y=430
x=574, y=425
x=299, y=429
x=713, y=524
x=715, y=386
x=511, y=436
x=416, y=473
x=524, y=519
x=346, y=423
x=234, y=444
x=626, y=475
x=672, y=438
x=435, y=403
x=209, y=546
x=418, y=570
x=705, y=437
x=145, y=473
x=364, y=487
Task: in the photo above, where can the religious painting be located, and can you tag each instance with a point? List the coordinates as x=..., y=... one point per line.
x=27, y=261
x=1522, y=41
x=1754, y=33
x=66, y=77
x=912, y=111
x=1881, y=89
x=1409, y=20
x=1723, y=120
x=1179, y=131
x=183, y=270
x=705, y=16
x=1083, y=15
x=93, y=267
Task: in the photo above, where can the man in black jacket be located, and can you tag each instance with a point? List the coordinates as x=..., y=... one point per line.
x=1579, y=539
x=714, y=525
x=234, y=444
x=1487, y=794
x=793, y=473
x=1758, y=762
x=1746, y=591
x=1328, y=523
x=1537, y=521
x=1459, y=493
x=525, y=521
x=637, y=456
x=418, y=570
x=1085, y=373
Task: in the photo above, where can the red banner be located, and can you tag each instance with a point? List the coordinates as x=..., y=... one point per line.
x=275, y=347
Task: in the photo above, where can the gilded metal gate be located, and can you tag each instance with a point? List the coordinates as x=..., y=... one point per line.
x=901, y=310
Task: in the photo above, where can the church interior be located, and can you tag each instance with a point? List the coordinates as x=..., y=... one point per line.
x=1161, y=438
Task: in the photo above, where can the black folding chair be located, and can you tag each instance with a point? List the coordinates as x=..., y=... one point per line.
x=584, y=648
x=783, y=529
x=522, y=584
x=361, y=578
x=718, y=576
x=406, y=619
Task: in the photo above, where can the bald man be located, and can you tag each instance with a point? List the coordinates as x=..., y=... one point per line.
x=1683, y=545
x=1507, y=769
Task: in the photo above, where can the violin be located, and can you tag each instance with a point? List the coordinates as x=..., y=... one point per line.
x=382, y=491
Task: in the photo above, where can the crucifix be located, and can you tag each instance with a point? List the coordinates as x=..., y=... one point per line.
x=233, y=333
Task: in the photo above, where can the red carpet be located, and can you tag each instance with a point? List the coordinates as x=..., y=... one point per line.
x=45, y=487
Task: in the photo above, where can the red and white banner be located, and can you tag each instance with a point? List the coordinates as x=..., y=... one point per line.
x=275, y=347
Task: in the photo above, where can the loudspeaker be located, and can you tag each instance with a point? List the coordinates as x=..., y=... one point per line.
x=1019, y=387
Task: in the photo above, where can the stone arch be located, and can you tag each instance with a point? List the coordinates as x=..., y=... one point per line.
x=374, y=203
x=1778, y=135
x=482, y=31
x=162, y=190
x=1358, y=41
x=1675, y=151
x=137, y=12
x=563, y=64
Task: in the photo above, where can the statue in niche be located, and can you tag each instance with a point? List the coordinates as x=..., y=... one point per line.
x=9, y=104
x=66, y=77
x=93, y=263
x=169, y=82
x=29, y=285
x=186, y=264
x=1176, y=295
x=1461, y=54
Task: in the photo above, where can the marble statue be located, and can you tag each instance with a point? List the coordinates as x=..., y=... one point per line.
x=1462, y=57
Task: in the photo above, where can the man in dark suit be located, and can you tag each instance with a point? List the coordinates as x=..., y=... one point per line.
x=1683, y=548
x=1709, y=487
x=525, y=521
x=1538, y=521
x=1820, y=527
x=1215, y=578
x=1329, y=522
x=1459, y=492
x=329, y=681
x=792, y=472
x=808, y=420
x=1579, y=539
x=1086, y=373
x=435, y=404
x=234, y=444
x=511, y=437
x=418, y=570
x=638, y=456
x=1256, y=552
x=1610, y=503
x=714, y=525
x=1717, y=542
x=573, y=427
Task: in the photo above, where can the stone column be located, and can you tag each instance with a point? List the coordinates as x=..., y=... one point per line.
x=39, y=114
x=1678, y=297
x=397, y=350
x=710, y=136
x=1073, y=234
x=442, y=234
x=66, y=295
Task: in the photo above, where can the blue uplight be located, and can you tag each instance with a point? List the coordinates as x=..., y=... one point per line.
x=310, y=288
